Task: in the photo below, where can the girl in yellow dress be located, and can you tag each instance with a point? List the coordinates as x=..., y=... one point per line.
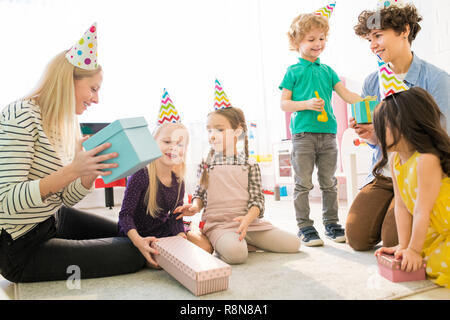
x=408, y=124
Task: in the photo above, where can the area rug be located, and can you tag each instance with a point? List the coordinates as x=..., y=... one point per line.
x=332, y=272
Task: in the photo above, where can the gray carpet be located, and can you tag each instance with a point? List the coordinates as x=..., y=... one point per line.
x=333, y=271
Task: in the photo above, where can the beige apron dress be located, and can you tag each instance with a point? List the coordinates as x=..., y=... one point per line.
x=227, y=198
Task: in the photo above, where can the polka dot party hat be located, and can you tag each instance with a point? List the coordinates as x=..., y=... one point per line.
x=326, y=11
x=83, y=54
x=167, y=112
x=220, y=98
x=387, y=3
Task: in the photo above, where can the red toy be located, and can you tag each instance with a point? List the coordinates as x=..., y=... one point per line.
x=389, y=267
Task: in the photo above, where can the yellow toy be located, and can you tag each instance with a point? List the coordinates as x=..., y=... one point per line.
x=322, y=117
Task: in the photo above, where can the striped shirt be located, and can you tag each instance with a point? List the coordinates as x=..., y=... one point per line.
x=27, y=156
x=256, y=196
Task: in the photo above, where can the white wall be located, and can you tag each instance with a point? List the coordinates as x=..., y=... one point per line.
x=145, y=46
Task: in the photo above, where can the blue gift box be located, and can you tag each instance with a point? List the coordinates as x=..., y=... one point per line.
x=133, y=142
x=362, y=111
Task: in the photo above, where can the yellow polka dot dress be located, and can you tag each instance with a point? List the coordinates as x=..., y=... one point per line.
x=436, y=249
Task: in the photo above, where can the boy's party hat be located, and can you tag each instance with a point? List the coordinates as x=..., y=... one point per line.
x=83, y=54
x=389, y=83
x=387, y=3
x=326, y=11
x=220, y=98
x=167, y=112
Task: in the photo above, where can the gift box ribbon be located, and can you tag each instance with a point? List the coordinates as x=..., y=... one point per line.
x=366, y=100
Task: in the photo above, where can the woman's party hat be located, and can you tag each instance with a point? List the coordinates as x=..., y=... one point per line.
x=167, y=112
x=220, y=98
x=387, y=3
x=326, y=11
x=389, y=83
x=84, y=53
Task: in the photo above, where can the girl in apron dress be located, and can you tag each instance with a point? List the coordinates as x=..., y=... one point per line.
x=231, y=194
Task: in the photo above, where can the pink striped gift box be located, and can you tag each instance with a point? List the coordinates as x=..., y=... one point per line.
x=197, y=270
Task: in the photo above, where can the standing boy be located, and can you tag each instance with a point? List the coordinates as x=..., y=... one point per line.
x=307, y=88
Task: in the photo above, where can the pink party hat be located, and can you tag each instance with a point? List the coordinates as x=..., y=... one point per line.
x=326, y=11
x=389, y=83
x=220, y=98
x=167, y=113
x=83, y=54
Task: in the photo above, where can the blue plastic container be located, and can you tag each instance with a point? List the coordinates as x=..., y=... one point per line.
x=283, y=191
x=132, y=140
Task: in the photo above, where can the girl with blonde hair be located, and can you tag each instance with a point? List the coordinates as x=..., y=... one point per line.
x=44, y=171
x=155, y=193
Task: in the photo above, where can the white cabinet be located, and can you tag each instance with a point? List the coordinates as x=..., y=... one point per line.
x=284, y=173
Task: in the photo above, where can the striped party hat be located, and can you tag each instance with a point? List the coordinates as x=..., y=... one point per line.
x=83, y=54
x=326, y=11
x=167, y=113
x=387, y=3
x=389, y=83
x=220, y=98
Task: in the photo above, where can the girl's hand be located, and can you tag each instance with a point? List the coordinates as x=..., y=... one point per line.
x=144, y=246
x=186, y=210
x=182, y=234
x=87, y=164
x=387, y=250
x=242, y=230
x=411, y=260
x=315, y=104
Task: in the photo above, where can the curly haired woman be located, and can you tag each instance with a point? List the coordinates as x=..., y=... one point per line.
x=371, y=215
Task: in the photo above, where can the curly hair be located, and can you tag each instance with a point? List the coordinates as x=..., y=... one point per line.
x=392, y=17
x=303, y=24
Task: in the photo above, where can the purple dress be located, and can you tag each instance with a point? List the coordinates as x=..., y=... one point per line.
x=133, y=214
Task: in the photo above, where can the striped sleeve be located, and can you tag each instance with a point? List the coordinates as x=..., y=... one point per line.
x=17, y=138
x=74, y=193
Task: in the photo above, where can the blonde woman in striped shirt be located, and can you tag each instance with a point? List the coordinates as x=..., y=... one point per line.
x=44, y=171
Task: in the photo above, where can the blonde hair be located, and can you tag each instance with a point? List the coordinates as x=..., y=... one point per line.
x=55, y=95
x=303, y=24
x=236, y=118
x=179, y=170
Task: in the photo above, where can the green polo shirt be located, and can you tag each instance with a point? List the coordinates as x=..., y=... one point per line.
x=303, y=79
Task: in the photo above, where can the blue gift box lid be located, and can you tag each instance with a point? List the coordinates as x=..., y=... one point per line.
x=112, y=129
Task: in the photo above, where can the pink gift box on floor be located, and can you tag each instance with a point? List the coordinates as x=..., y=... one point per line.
x=193, y=267
x=389, y=267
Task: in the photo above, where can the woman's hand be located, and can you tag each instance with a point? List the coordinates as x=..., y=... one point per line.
x=186, y=210
x=315, y=104
x=88, y=164
x=144, y=246
x=364, y=131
